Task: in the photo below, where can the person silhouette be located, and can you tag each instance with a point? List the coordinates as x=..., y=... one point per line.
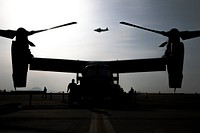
x=72, y=86
x=131, y=93
x=44, y=92
x=72, y=89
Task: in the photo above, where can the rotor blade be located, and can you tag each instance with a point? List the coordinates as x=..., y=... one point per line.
x=8, y=33
x=163, y=44
x=38, y=31
x=189, y=34
x=62, y=25
x=155, y=31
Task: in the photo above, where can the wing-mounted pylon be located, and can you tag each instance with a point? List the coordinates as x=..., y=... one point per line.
x=174, y=53
x=21, y=55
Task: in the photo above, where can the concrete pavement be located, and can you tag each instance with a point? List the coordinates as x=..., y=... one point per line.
x=52, y=115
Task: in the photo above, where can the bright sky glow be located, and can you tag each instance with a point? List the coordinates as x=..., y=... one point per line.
x=80, y=42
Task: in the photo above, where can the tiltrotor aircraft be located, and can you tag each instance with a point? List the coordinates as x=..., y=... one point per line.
x=101, y=30
x=97, y=80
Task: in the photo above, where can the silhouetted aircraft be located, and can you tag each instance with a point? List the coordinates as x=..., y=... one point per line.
x=21, y=54
x=174, y=53
x=101, y=30
x=97, y=79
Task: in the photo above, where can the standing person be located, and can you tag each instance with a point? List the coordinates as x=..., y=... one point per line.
x=45, y=92
x=72, y=88
x=131, y=94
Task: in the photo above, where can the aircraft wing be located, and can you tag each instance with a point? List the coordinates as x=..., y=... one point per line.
x=57, y=65
x=139, y=65
x=118, y=66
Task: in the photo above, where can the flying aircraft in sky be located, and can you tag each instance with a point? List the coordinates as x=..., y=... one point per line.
x=101, y=30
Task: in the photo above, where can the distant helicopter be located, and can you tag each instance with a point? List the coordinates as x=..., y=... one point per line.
x=21, y=54
x=174, y=53
x=101, y=30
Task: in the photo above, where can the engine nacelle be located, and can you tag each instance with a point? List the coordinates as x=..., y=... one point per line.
x=21, y=57
x=175, y=61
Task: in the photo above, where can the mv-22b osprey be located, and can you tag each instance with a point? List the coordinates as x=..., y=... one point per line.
x=98, y=77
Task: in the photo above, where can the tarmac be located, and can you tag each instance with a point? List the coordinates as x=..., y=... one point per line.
x=148, y=113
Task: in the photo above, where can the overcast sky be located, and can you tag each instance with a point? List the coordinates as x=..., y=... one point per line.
x=80, y=42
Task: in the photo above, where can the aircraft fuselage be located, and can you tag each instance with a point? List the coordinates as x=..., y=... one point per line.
x=97, y=81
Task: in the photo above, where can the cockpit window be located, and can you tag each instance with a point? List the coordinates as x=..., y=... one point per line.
x=97, y=71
